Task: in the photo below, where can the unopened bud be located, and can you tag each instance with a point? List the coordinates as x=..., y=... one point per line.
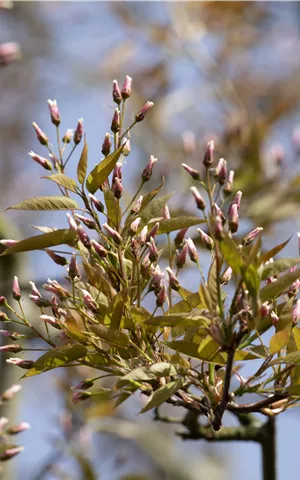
x=193, y=173
x=228, y=187
x=78, y=132
x=80, y=395
x=115, y=123
x=153, y=253
x=134, y=226
x=161, y=296
x=233, y=218
x=126, y=89
x=97, y=203
x=218, y=228
x=153, y=232
x=16, y=293
x=173, y=280
x=117, y=188
x=54, y=112
x=9, y=51
x=12, y=335
x=50, y=320
x=200, y=202
x=113, y=234
x=250, y=237
x=192, y=251
x=8, y=242
x=84, y=238
x=274, y=318
x=237, y=199
x=166, y=212
x=41, y=160
x=73, y=225
x=143, y=111
x=106, y=146
x=89, y=302
x=226, y=277
x=143, y=235
x=73, y=268
x=147, y=173
x=218, y=212
x=116, y=93
x=4, y=317
x=206, y=239
x=34, y=290
x=99, y=249
x=88, y=222
x=68, y=136
x=10, y=392
x=178, y=240
x=11, y=348
x=296, y=312
x=145, y=265
x=18, y=428
x=58, y=259
x=181, y=256
x=3, y=301
x=89, y=382
x=265, y=309
x=41, y=136
x=126, y=147
x=10, y=453
x=136, y=208
x=209, y=154
x=221, y=171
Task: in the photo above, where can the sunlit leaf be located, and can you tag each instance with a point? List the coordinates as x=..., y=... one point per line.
x=296, y=334
x=232, y=254
x=271, y=253
x=102, y=171
x=279, y=341
x=244, y=355
x=177, y=320
x=191, y=349
x=279, y=266
x=113, y=211
x=39, y=242
x=110, y=335
x=190, y=301
x=144, y=374
x=82, y=164
x=162, y=394
x=154, y=210
x=276, y=288
x=139, y=314
x=63, y=181
x=289, y=359
x=118, y=308
x=55, y=358
x=252, y=280
x=177, y=223
x=46, y=203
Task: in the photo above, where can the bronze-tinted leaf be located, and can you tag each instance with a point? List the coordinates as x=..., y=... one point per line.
x=162, y=394
x=46, y=203
x=55, y=358
x=39, y=242
x=82, y=164
x=62, y=180
x=275, y=289
x=102, y=171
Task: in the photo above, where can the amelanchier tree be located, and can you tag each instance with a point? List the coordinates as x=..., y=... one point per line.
x=190, y=349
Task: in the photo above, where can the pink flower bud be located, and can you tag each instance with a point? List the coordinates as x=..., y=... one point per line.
x=58, y=259
x=84, y=238
x=10, y=453
x=192, y=251
x=233, y=218
x=106, y=146
x=166, y=212
x=89, y=382
x=193, y=173
x=18, y=428
x=113, y=234
x=173, y=280
x=54, y=112
x=89, y=302
x=134, y=226
x=126, y=89
x=153, y=253
x=68, y=136
x=226, y=277
x=237, y=200
x=147, y=173
x=117, y=97
x=228, y=187
x=99, y=249
x=4, y=317
x=278, y=154
x=143, y=111
x=97, y=204
x=9, y=53
x=72, y=223
x=218, y=212
x=206, y=239
x=136, y=208
x=274, y=318
x=16, y=293
x=3, y=423
x=250, y=237
x=209, y=154
x=3, y=301
x=80, y=395
x=41, y=160
x=11, y=348
x=143, y=235
x=221, y=171
x=39, y=302
x=181, y=256
x=117, y=188
x=78, y=132
x=50, y=320
x=88, y=222
x=218, y=228
x=265, y=309
x=200, y=202
x=126, y=147
x=117, y=173
x=178, y=241
x=41, y=136
x=10, y=392
x=153, y=232
x=115, y=123
x=73, y=268
x=296, y=312
x=145, y=265
x=161, y=296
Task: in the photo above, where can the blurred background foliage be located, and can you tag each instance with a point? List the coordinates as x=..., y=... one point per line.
x=227, y=71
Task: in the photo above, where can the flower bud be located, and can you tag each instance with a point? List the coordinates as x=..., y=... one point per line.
x=265, y=309
x=3, y=423
x=126, y=89
x=117, y=188
x=106, y=146
x=143, y=111
x=126, y=147
x=88, y=222
x=228, y=187
x=206, y=239
x=39, y=302
x=16, y=293
x=173, y=280
x=89, y=301
x=153, y=232
x=3, y=301
x=41, y=136
x=226, y=277
x=117, y=97
x=192, y=251
x=78, y=132
x=178, y=240
x=218, y=228
x=80, y=395
x=181, y=256
x=147, y=173
x=153, y=253
x=41, y=160
x=9, y=52
x=97, y=204
x=113, y=234
x=10, y=392
x=18, y=428
x=166, y=212
x=4, y=317
x=12, y=335
x=143, y=235
x=209, y=154
x=115, y=123
x=68, y=136
x=145, y=265
x=10, y=453
x=200, y=202
x=58, y=259
x=11, y=348
x=296, y=312
x=50, y=320
x=218, y=212
x=34, y=290
x=84, y=238
x=250, y=237
x=161, y=296
x=8, y=242
x=54, y=112
x=87, y=383
x=274, y=318
x=134, y=226
x=237, y=200
x=136, y=208
x=193, y=173
x=73, y=268
x=72, y=223
x=221, y=171
x=233, y=218
x=99, y=249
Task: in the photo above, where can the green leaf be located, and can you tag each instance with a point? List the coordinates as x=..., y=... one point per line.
x=177, y=223
x=279, y=341
x=145, y=374
x=187, y=304
x=279, y=266
x=102, y=171
x=275, y=289
x=252, y=280
x=244, y=355
x=55, y=358
x=191, y=349
x=39, y=242
x=82, y=164
x=154, y=209
x=139, y=314
x=111, y=206
x=46, y=203
x=109, y=335
x=178, y=320
x=118, y=308
x=162, y=394
x=62, y=180
x=232, y=254
x=44, y=229
x=212, y=283
x=271, y=253
x=289, y=359
x=296, y=334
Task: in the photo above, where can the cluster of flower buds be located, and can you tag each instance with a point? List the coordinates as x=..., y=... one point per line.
x=54, y=287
